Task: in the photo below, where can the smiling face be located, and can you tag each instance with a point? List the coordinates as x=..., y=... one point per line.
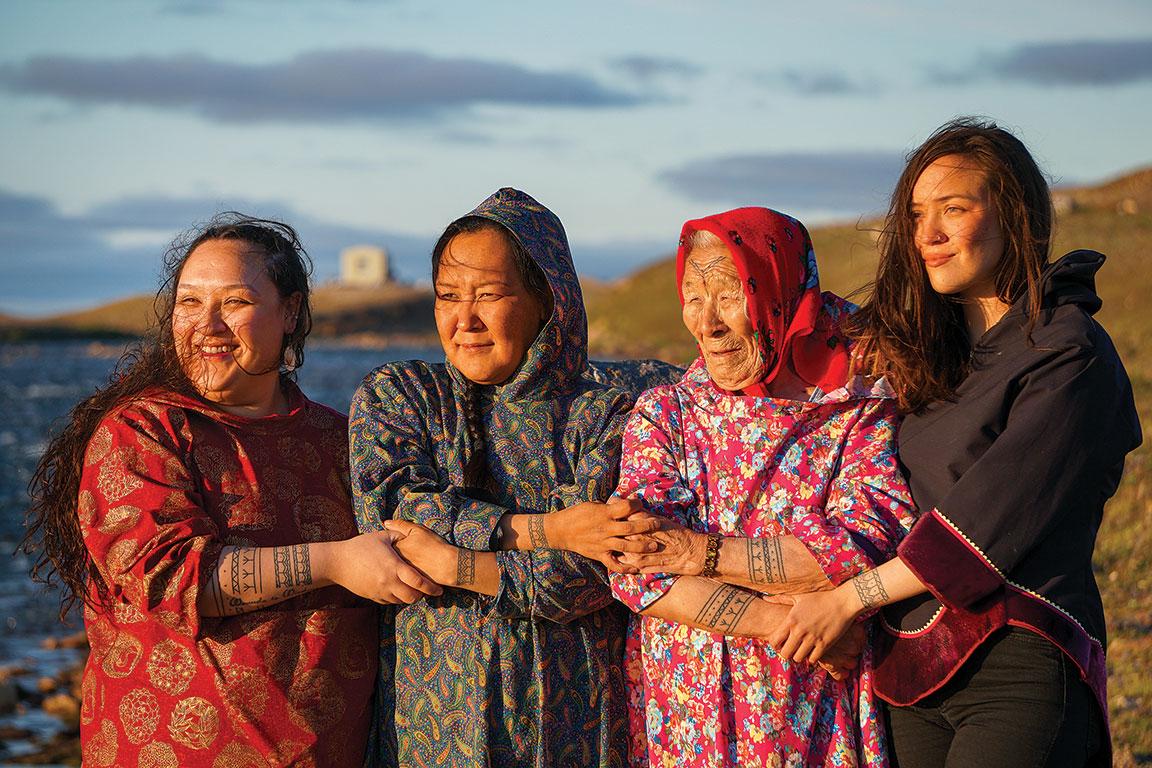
x=229, y=324
x=715, y=313
x=486, y=317
x=957, y=229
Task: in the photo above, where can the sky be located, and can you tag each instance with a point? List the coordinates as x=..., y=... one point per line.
x=123, y=123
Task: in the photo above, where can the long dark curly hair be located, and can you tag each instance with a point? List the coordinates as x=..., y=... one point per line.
x=905, y=330
x=52, y=527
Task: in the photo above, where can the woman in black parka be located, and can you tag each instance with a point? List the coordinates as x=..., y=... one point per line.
x=1018, y=417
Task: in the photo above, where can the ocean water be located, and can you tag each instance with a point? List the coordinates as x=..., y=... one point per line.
x=39, y=384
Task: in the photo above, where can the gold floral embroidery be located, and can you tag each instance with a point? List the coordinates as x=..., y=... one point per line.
x=90, y=691
x=158, y=755
x=171, y=667
x=118, y=520
x=122, y=656
x=100, y=750
x=86, y=508
x=98, y=445
x=114, y=481
x=245, y=691
x=315, y=701
x=194, y=723
x=139, y=714
x=239, y=755
x=355, y=657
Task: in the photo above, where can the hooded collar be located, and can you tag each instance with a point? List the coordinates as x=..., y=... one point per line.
x=776, y=263
x=559, y=355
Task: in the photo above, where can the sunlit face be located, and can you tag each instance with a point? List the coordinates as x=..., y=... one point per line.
x=715, y=313
x=957, y=228
x=229, y=323
x=485, y=315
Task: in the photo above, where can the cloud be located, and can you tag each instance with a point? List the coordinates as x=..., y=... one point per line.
x=648, y=68
x=852, y=183
x=318, y=86
x=1075, y=63
x=823, y=83
x=1095, y=62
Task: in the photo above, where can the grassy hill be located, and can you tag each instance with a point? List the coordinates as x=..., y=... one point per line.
x=389, y=314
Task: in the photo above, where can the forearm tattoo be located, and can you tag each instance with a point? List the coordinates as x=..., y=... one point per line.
x=766, y=561
x=244, y=577
x=870, y=590
x=536, y=535
x=465, y=567
x=293, y=566
x=724, y=608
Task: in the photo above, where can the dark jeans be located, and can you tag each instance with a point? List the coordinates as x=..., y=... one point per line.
x=1017, y=702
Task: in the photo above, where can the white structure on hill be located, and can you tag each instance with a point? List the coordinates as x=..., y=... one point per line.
x=364, y=266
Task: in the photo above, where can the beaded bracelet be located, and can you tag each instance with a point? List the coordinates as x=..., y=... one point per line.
x=711, y=555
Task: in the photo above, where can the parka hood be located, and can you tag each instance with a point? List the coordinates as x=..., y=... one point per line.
x=558, y=357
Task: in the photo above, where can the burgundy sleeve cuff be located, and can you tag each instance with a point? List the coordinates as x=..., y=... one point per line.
x=954, y=569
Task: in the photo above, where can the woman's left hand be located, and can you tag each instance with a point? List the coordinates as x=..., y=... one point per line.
x=425, y=550
x=814, y=624
x=680, y=551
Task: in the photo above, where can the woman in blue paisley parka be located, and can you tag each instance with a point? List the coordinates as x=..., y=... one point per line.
x=494, y=473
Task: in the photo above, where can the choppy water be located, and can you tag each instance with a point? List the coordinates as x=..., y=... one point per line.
x=39, y=384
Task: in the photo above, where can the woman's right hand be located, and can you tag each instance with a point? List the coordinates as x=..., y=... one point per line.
x=600, y=531
x=369, y=566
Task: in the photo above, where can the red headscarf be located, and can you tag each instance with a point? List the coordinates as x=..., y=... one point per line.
x=777, y=267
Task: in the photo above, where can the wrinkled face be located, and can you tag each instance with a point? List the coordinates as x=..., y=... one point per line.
x=229, y=322
x=957, y=229
x=486, y=317
x=715, y=313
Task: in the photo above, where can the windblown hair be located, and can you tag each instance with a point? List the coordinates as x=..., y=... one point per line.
x=476, y=478
x=905, y=330
x=52, y=527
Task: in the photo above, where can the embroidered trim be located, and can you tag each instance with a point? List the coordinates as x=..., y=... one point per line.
x=970, y=543
x=911, y=632
x=1008, y=581
x=1043, y=599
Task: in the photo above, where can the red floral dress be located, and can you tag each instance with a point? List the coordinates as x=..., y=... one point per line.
x=822, y=471
x=167, y=482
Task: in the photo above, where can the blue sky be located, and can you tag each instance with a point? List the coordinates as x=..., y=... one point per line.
x=122, y=122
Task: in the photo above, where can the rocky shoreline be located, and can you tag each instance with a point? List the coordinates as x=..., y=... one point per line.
x=51, y=702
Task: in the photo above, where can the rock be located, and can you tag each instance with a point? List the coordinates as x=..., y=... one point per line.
x=46, y=685
x=9, y=696
x=64, y=707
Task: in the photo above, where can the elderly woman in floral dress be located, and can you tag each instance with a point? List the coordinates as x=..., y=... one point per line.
x=775, y=472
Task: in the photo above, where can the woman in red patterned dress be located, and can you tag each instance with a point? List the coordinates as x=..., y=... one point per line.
x=199, y=506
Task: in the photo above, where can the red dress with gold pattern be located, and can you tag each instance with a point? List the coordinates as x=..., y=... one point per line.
x=167, y=481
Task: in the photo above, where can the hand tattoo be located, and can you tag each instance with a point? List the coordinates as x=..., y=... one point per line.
x=724, y=609
x=870, y=590
x=536, y=535
x=465, y=567
x=766, y=561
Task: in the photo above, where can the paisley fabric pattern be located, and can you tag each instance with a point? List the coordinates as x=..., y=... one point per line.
x=822, y=471
x=532, y=676
x=167, y=482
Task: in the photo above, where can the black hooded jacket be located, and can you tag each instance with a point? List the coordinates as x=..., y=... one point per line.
x=1011, y=476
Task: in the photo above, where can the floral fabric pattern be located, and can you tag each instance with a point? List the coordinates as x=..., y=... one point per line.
x=823, y=471
x=167, y=482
